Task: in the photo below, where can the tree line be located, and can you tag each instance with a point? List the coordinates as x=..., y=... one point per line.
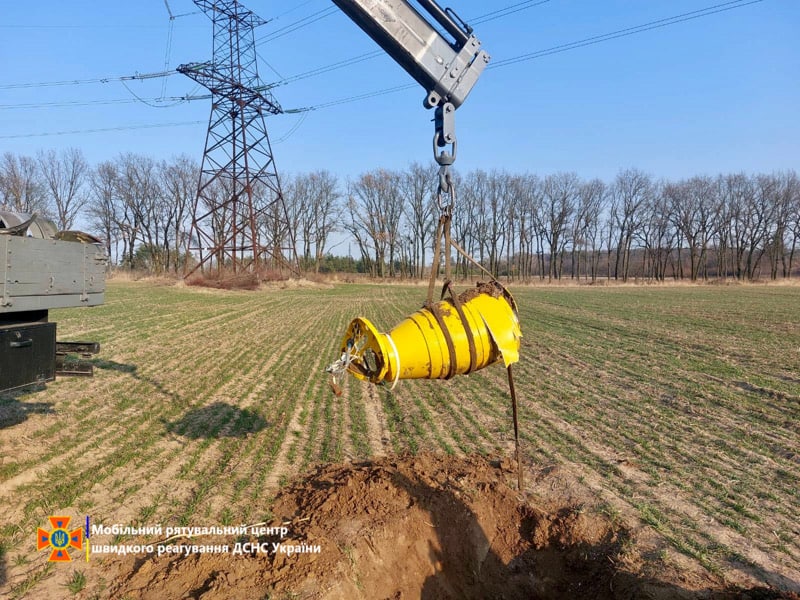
x=519, y=226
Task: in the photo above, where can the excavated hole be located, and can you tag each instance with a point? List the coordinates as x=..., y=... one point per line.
x=426, y=526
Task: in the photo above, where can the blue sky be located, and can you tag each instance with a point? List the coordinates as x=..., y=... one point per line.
x=715, y=94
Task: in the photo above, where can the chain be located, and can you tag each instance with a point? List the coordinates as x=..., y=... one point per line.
x=446, y=193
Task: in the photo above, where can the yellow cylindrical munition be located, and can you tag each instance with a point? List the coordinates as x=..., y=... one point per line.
x=455, y=336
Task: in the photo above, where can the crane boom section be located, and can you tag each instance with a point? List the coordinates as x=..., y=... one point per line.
x=447, y=69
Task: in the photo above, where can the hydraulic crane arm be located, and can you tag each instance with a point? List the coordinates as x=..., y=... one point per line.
x=447, y=69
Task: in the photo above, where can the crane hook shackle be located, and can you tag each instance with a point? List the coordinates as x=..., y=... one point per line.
x=443, y=158
x=445, y=133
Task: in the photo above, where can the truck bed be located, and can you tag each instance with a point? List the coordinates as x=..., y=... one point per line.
x=40, y=274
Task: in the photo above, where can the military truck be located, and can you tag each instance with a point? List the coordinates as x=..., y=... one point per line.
x=42, y=269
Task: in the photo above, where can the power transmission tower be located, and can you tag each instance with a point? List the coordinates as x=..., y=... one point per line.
x=240, y=219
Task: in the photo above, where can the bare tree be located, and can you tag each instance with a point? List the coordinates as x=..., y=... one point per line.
x=298, y=195
x=522, y=194
x=102, y=206
x=325, y=212
x=472, y=212
x=64, y=175
x=358, y=228
x=608, y=234
x=468, y=219
x=219, y=216
x=179, y=185
x=498, y=220
x=585, y=228
x=749, y=222
x=724, y=216
x=657, y=234
x=793, y=192
x=313, y=201
x=560, y=194
x=376, y=208
x=781, y=190
x=417, y=185
x=21, y=187
x=539, y=224
x=137, y=191
x=630, y=191
x=150, y=207
x=693, y=205
x=515, y=224
x=765, y=210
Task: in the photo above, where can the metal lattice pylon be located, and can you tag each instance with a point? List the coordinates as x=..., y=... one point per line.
x=240, y=219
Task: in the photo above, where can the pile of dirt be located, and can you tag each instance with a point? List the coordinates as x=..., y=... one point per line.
x=226, y=281
x=425, y=526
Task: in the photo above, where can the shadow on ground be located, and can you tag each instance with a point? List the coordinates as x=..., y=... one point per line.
x=559, y=561
x=216, y=421
x=3, y=576
x=14, y=411
x=133, y=371
x=110, y=365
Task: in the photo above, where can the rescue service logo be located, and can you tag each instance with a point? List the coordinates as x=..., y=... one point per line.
x=60, y=539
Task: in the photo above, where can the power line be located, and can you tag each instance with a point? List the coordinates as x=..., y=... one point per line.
x=504, y=12
x=539, y=53
x=293, y=129
x=364, y=96
x=294, y=26
x=710, y=10
x=271, y=68
x=326, y=12
x=189, y=14
x=101, y=130
x=67, y=104
x=153, y=104
x=490, y=16
x=5, y=26
x=168, y=50
x=695, y=14
x=294, y=8
x=299, y=24
x=564, y=47
x=140, y=76
x=328, y=68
